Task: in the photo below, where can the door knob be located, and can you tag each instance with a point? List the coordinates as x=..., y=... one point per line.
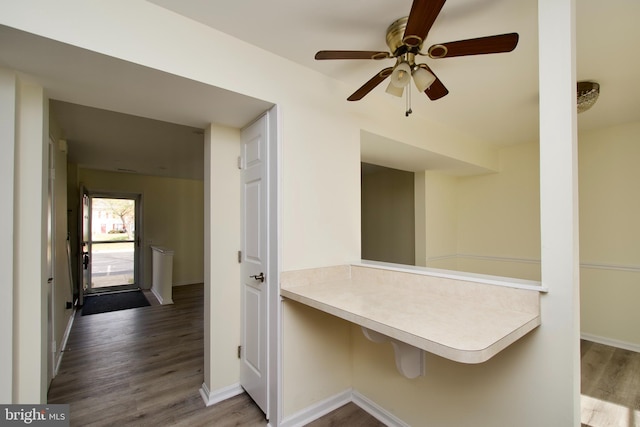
x=258, y=277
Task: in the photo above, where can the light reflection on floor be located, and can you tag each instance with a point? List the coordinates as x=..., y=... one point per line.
x=600, y=413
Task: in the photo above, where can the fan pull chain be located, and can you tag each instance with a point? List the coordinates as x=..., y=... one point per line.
x=406, y=114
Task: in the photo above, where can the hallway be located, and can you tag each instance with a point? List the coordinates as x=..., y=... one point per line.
x=140, y=367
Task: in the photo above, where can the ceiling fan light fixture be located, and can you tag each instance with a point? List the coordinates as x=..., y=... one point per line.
x=405, y=38
x=401, y=75
x=395, y=90
x=423, y=78
x=588, y=93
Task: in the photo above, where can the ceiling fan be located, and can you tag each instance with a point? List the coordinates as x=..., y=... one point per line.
x=405, y=38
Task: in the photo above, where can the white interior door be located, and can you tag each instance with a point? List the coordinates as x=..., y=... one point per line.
x=254, y=263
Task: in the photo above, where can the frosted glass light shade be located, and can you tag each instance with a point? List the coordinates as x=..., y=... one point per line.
x=423, y=78
x=394, y=90
x=401, y=75
x=588, y=93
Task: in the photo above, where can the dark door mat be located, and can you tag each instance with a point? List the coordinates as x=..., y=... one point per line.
x=104, y=303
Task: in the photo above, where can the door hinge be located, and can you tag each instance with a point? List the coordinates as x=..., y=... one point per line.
x=239, y=257
x=239, y=351
x=239, y=162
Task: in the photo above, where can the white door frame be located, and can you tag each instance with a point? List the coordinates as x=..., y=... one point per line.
x=51, y=261
x=274, y=305
x=138, y=259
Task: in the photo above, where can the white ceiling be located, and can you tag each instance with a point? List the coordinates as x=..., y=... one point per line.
x=494, y=97
x=168, y=149
x=307, y=27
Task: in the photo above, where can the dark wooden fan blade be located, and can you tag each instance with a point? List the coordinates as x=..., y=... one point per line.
x=480, y=46
x=437, y=90
x=370, y=85
x=351, y=54
x=421, y=18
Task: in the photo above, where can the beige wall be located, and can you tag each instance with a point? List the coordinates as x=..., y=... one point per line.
x=452, y=394
x=316, y=347
x=62, y=292
x=610, y=233
x=172, y=216
x=388, y=224
x=487, y=223
x=221, y=270
x=441, y=225
x=499, y=217
x=8, y=82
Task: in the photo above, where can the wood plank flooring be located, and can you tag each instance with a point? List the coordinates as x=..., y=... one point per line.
x=610, y=386
x=143, y=367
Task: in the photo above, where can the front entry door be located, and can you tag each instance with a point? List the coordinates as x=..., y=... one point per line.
x=254, y=263
x=110, y=242
x=85, y=238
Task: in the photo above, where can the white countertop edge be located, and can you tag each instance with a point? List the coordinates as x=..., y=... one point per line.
x=530, y=285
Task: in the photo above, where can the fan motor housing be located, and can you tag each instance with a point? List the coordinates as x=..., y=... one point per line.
x=395, y=38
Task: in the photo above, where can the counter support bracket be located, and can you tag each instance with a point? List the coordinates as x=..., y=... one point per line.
x=409, y=359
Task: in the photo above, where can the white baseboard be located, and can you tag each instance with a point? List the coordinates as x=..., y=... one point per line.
x=326, y=406
x=317, y=410
x=160, y=299
x=215, y=396
x=63, y=343
x=187, y=283
x=377, y=411
x=611, y=342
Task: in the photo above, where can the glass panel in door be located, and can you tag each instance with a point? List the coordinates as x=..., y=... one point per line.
x=112, y=246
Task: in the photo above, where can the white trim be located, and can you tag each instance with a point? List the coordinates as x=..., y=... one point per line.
x=611, y=342
x=377, y=411
x=442, y=257
x=63, y=344
x=585, y=264
x=320, y=409
x=509, y=282
x=500, y=258
x=317, y=410
x=604, y=266
x=159, y=297
x=274, y=315
x=187, y=283
x=217, y=396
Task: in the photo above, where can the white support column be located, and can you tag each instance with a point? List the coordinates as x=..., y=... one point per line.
x=559, y=202
x=7, y=151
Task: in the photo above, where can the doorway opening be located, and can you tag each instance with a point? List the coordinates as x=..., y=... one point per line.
x=110, y=242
